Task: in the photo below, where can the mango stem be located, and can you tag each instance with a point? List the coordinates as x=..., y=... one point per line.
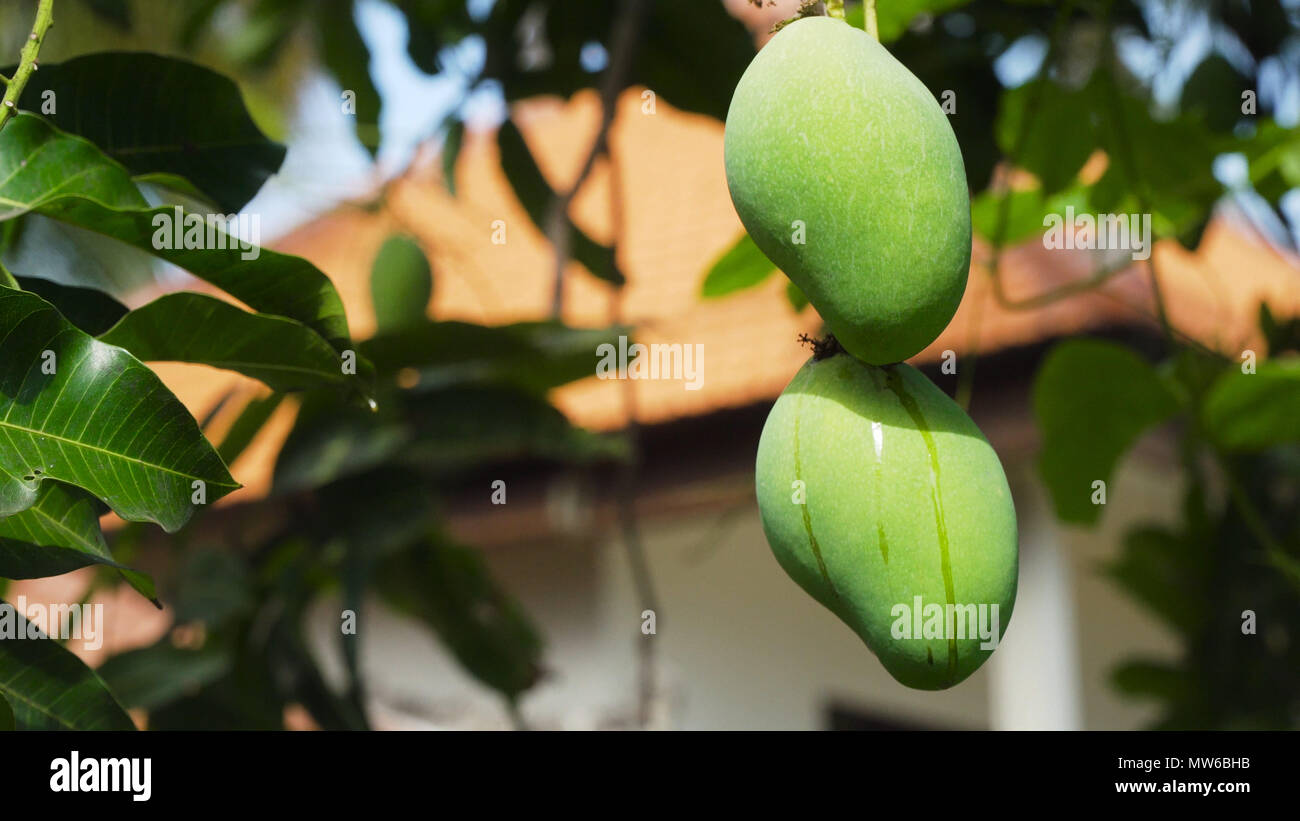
x=869, y=19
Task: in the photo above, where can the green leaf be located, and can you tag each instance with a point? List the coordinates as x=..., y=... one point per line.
x=894, y=16
x=1092, y=400
x=101, y=421
x=533, y=356
x=452, y=143
x=186, y=120
x=1058, y=142
x=1254, y=411
x=438, y=433
x=91, y=310
x=117, y=12
x=1151, y=679
x=189, y=327
x=58, y=534
x=151, y=677
x=450, y=588
x=47, y=686
x=401, y=284
x=535, y=195
x=740, y=266
x=1166, y=574
x=246, y=426
x=6, y=716
x=68, y=179
x=1026, y=212
x=346, y=56
x=795, y=297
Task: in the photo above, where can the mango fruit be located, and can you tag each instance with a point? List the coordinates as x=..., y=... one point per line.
x=847, y=175
x=882, y=499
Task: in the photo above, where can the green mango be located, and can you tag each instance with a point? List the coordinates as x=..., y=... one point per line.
x=874, y=489
x=847, y=175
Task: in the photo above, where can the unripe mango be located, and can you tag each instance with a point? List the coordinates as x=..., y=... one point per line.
x=875, y=489
x=847, y=175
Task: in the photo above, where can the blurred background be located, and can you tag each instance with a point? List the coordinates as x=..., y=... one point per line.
x=561, y=161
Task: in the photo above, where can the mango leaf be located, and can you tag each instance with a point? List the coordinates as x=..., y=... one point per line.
x=189, y=327
x=1026, y=212
x=100, y=420
x=187, y=120
x=6, y=716
x=152, y=676
x=345, y=55
x=795, y=297
x=533, y=356
x=449, y=587
x=1092, y=400
x=91, y=310
x=58, y=534
x=70, y=180
x=246, y=426
x=401, y=284
x=117, y=12
x=1059, y=140
x=535, y=195
x=437, y=433
x=1166, y=574
x=740, y=266
x=1144, y=678
x=452, y=143
x=1254, y=411
x=893, y=17
x=47, y=686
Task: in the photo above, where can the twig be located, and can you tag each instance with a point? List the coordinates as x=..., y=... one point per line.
x=27, y=62
x=623, y=41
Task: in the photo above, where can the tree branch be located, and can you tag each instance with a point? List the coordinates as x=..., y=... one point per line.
x=622, y=48
x=27, y=62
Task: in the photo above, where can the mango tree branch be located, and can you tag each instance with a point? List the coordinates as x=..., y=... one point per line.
x=622, y=48
x=27, y=62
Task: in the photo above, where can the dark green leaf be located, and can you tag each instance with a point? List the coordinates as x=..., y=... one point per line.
x=346, y=56
x=534, y=356
x=795, y=297
x=401, y=284
x=1254, y=411
x=58, y=534
x=450, y=588
x=452, y=143
x=151, y=677
x=47, y=686
x=117, y=12
x=68, y=179
x=1059, y=139
x=189, y=327
x=740, y=266
x=1092, y=400
x=6, y=716
x=101, y=421
x=186, y=120
x=1151, y=679
x=1166, y=574
x=91, y=310
x=246, y=426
